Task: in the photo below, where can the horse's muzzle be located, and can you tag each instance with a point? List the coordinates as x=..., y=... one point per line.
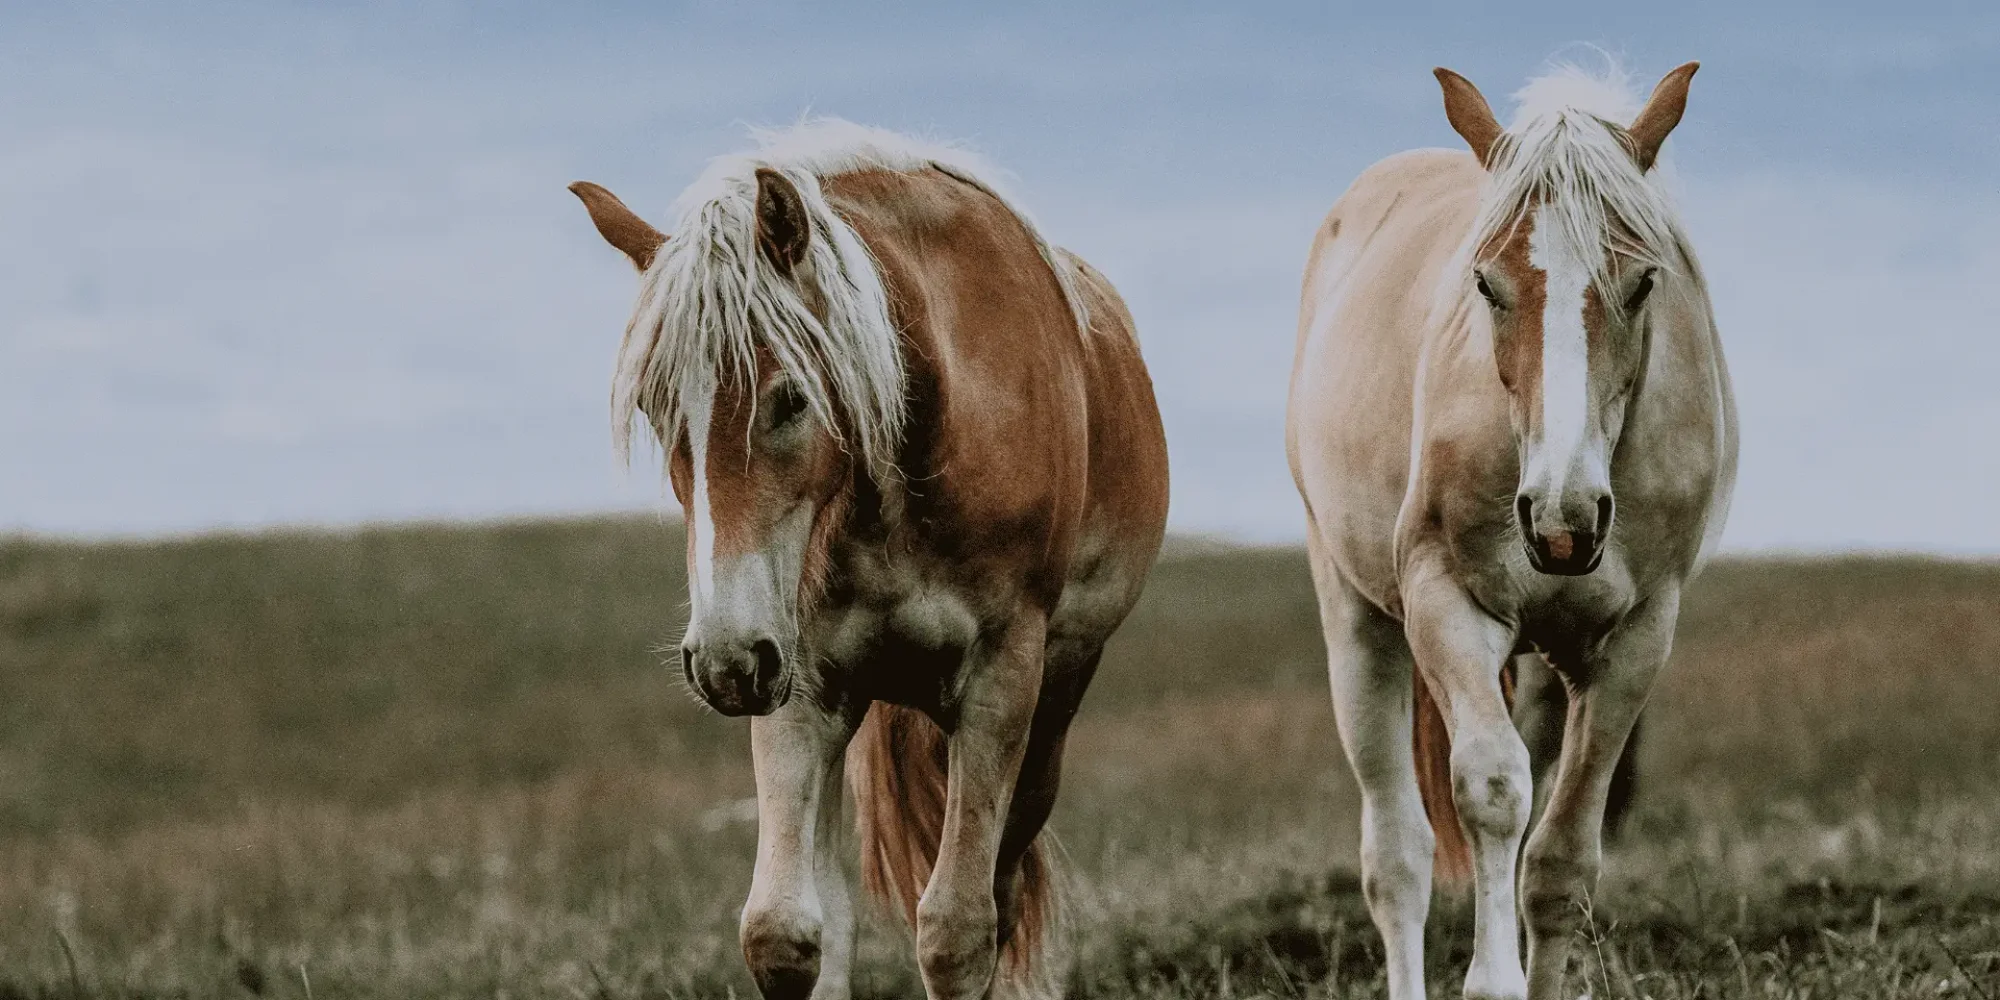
x=738, y=678
x=1561, y=551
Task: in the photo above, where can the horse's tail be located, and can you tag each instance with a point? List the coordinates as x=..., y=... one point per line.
x=1431, y=741
x=896, y=766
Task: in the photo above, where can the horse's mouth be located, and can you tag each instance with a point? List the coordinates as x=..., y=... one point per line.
x=1565, y=555
x=738, y=708
x=1563, y=561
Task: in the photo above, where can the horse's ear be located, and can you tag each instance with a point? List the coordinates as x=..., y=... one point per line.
x=783, y=228
x=620, y=226
x=1470, y=116
x=1662, y=112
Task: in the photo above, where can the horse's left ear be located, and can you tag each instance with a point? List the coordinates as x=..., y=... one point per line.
x=1662, y=112
x=784, y=230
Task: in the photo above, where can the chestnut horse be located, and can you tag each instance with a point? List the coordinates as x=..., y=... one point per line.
x=924, y=472
x=1513, y=430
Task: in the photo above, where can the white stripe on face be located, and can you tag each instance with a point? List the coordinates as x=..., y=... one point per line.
x=699, y=414
x=1566, y=271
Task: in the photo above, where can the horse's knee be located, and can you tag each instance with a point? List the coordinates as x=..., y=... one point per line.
x=1396, y=862
x=782, y=950
x=1393, y=888
x=1491, y=785
x=958, y=945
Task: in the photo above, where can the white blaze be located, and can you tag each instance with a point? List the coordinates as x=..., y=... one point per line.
x=1567, y=271
x=699, y=412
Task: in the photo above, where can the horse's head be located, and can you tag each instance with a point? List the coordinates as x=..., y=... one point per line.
x=756, y=449
x=763, y=482
x=1566, y=257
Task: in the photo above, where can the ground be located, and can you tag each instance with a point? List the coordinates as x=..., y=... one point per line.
x=447, y=762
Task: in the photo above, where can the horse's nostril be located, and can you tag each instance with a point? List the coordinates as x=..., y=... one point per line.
x=770, y=663
x=1604, y=509
x=1524, y=509
x=687, y=663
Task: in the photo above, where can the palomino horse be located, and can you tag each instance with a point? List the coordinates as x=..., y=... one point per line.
x=922, y=467
x=1512, y=427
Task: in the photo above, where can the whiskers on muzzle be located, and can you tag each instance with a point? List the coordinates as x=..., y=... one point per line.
x=738, y=674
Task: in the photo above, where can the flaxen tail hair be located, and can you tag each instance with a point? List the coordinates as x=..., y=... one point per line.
x=1431, y=738
x=896, y=766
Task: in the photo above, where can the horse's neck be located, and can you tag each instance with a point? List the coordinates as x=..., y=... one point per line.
x=1680, y=431
x=1686, y=379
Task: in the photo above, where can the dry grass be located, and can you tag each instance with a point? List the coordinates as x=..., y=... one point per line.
x=443, y=762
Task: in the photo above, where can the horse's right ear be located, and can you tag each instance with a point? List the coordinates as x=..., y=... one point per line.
x=620, y=226
x=784, y=230
x=1470, y=116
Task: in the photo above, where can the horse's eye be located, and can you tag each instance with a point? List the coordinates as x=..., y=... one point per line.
x=1638, y=296
x=1486, y=292
x=786, y=405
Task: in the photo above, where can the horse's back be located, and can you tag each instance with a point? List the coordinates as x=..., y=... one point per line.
x=1364, y=311
x=1398, y=203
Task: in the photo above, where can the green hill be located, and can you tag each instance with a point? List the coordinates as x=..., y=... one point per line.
x=443, y=760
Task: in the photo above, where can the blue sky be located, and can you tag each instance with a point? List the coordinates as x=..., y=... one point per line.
x=265, y=264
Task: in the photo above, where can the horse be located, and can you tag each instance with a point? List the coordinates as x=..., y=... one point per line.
x=925, y=478
x=1513, y=430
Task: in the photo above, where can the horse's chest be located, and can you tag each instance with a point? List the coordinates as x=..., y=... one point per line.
x=927, y=620
x=1566, y=615
x=897, y=634
x=899, y=631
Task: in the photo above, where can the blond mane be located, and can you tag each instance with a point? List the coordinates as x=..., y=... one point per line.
x=1566, y=152
x=711, y=298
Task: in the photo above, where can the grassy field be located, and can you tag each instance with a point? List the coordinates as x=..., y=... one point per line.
x=446, y=762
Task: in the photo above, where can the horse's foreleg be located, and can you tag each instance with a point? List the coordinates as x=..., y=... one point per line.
x=1368, y=662
x=958, y=921
x=1460, y=649
x=1540, y=702
x=1566, y=851
x=798, y=925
